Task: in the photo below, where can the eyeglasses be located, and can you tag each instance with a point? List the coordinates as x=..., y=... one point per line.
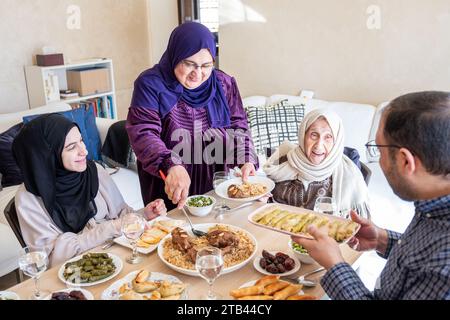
x=191, y=66
x=373, y=148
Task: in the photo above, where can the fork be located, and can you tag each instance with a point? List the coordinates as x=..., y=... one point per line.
x=108, y=244
x=196, y=232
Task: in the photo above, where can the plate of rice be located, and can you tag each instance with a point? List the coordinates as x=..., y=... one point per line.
x=235, y=258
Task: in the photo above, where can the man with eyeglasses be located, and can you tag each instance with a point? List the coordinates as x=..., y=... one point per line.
x=413, y=142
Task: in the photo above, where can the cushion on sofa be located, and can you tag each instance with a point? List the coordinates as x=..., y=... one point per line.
x=7, y=120
x=85, y=119
x=11, y=174
x=271, y=125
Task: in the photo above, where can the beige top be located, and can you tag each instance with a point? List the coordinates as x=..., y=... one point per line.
x=39, y=230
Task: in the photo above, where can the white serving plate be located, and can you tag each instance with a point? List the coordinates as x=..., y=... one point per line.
x=86, y=293
x=116, y=260
x=204, y=227
x=287, y=273
x=112, y=292
x=123, y=241
x=293, y=209
x=222, y=189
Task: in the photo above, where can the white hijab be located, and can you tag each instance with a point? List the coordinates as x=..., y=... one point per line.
x=349, y=188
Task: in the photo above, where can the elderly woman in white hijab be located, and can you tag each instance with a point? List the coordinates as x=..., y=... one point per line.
x=317, y=167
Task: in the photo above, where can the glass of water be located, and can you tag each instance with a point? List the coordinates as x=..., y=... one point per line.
x=326, y=205
x=209, y=264
x=133, y=226
x=218, y=178
x=33, y=262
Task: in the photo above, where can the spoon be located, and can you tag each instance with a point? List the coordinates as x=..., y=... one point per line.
x=307, y=283
x=196, y=232
x=224, y=209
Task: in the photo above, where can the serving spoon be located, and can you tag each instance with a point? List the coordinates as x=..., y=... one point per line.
x=196, y=232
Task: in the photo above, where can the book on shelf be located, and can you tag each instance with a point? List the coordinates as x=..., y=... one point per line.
x=102, y=107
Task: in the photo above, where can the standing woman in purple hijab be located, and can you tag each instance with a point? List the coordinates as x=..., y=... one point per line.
x=183, y=103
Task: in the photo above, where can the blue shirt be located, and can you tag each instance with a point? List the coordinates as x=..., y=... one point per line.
x=418, y=265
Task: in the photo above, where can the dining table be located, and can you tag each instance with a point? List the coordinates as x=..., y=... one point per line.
x=196, y=286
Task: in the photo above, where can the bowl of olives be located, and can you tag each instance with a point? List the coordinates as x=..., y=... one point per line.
x=300, y=252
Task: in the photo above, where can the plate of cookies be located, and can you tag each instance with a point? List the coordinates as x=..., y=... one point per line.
x=270, y=288
x=154, y=232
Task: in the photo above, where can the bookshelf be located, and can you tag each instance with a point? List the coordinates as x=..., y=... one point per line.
x=44, y=85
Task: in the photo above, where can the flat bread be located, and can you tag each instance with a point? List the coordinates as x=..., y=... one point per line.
x=168, y=225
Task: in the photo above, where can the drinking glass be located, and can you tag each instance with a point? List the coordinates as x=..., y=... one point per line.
x=33, y=262
x=133, y=226
x=218, y=178
x=326, y=205
x=209, y=264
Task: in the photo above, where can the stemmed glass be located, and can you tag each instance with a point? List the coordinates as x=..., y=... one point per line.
x=209, y=264
x=133, y=226
x=325, y=205
x=218, y=178
x=33, y=262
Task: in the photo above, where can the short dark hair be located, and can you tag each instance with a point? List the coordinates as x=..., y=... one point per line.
x=420, y=122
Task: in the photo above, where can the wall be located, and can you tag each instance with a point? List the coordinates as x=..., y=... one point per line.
x=118, y=29
x=283, y=46
x=163, y=18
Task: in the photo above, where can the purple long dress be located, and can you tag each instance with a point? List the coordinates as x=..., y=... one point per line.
x=151, y=139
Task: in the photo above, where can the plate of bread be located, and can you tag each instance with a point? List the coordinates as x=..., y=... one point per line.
x=295, y=221
x=145, y=285
x=154, y=232
x=270, y=288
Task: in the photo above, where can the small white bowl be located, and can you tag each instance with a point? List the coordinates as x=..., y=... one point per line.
x=303, y=257
x=200, y=211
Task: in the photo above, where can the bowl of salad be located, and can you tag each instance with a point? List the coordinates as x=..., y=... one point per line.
x=200, y=205
x=300, y=252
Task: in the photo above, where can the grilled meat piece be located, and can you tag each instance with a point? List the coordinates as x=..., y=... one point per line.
x=180, y=240
x=222, y=238
x=192, y=254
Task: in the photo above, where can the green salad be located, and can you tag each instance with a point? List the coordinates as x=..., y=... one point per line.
x=298, y=248
x=200, y=201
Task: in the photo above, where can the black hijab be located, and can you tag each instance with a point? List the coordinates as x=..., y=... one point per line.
x=68, y=196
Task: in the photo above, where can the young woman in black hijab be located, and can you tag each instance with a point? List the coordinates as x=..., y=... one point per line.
x=67, y=203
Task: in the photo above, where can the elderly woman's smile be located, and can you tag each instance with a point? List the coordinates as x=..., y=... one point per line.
x=319, y=141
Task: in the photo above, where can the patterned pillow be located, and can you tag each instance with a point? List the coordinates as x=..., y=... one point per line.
x=271, y=125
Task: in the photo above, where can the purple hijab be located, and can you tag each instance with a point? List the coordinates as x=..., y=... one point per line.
x=158, y=89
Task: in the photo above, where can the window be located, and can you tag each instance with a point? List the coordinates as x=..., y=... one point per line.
x=204, y=11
